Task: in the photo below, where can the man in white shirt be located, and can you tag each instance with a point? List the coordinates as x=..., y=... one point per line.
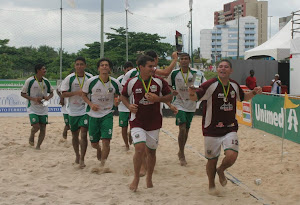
x=276, y=85
x=35, y=90
x=72, y=89
x=102, y=89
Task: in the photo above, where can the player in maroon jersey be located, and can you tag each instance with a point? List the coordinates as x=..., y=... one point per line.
x=219, y=126
x=147, y=91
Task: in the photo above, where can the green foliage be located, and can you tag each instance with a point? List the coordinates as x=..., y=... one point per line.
x=210, y=74
x=20, y=62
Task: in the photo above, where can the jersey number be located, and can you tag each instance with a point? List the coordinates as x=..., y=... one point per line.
x=235, y=142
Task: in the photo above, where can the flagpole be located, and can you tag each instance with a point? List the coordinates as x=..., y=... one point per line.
x=60, y=52
x=191, y=10
x=283, y=132
x=126, y=9
x=102, y=30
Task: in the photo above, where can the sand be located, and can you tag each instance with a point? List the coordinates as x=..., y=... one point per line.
x=48, y=176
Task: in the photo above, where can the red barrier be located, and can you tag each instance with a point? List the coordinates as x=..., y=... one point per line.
x=267, y=88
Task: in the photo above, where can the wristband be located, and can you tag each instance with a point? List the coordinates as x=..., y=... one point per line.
x=253, y=92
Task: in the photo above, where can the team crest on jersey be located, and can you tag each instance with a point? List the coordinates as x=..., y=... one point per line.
x=153, y=88
x=190, y=80
x=232, y=94
x=98, y=90
x=137, y=136
x=208, y=151
x=138, y=90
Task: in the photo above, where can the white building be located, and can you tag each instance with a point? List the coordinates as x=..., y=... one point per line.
x=222, y=40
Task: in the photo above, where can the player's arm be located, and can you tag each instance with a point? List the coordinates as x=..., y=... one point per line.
x=166, y=72
x=172, y=107
x=132, y=107
x=192, y=94
x=66, y=94
x=38, y=99
x=152, y=97
x=87, y=100
x=49, y=96
x=251, y=94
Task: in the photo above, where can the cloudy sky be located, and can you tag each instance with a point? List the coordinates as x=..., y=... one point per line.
x=37, y=22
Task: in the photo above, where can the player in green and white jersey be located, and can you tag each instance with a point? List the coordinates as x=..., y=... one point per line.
x=72, y=89
x=102, y=90
x=123, y=110
x=180, y=80
x=35, y=90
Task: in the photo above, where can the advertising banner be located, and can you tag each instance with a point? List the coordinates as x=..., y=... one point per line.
x=243, y=113
x=13, y=104
x=268, y=115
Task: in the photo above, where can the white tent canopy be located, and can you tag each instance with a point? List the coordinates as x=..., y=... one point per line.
x=277, y=47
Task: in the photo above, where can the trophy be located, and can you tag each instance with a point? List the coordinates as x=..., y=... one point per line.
x=45, y=102
x=198, y=76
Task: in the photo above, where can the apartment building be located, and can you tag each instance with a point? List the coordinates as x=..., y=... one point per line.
x=243, y=8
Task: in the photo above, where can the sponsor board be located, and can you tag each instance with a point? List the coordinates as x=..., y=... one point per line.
x=268, y=115
x=243, y=113
x=13, y=104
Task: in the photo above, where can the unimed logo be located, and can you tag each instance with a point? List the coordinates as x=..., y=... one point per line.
x=276, y=119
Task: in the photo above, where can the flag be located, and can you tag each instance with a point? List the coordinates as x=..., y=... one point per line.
x=191, y=4
x=288, y=103
x=71, y=3
x=179, y=42
x=126, y=5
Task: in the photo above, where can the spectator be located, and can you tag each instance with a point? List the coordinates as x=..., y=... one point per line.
x=251, y=81
x=276, y=85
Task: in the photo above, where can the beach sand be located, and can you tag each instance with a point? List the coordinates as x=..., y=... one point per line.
x=48, y=176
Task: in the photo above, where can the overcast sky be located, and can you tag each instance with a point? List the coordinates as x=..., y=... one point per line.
x=37, y=22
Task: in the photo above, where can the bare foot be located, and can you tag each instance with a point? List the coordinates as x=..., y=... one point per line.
x=81, y=164
x=65, y=137
x=38, y=148
x=31, y=141
x=102, y=163
x=126, y=147
x=182, y=160
x=213, y=192
x=222, y=178
x=77, y=159
x=99, y=154
x=134, y=185
x=149, y=183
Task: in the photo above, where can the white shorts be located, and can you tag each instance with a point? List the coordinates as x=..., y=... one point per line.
x=149, y=137
x=213, y=144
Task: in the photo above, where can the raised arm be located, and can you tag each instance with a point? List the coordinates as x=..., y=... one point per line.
x=166, y=72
